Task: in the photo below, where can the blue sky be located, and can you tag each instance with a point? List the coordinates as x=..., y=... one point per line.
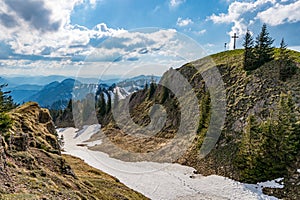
x=80, y=37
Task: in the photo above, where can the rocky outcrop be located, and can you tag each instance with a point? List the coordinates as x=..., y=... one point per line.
x=33, y=127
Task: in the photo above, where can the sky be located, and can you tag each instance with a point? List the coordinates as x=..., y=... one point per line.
x=92, y=38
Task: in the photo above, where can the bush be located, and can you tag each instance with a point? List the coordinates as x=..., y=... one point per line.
x=5, y=122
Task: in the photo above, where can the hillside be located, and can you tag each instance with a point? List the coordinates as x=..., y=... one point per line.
x=255, y=101
x=32, y=167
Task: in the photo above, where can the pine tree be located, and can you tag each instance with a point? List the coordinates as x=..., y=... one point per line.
x=152, y=89
x=281, y=139
x=283, y=53
x=146, y=87
x=101, y=105
x=6, y=101
x=6, y=104
x=248, y=53
x=248, y=157
x=108, y=105
x=286, y=67
x=264, y=52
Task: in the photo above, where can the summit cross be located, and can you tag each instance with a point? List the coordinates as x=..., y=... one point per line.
x=234, y=40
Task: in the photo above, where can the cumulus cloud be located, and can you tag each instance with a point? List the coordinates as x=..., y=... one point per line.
x=236, y=15
x=280, y=14
x=44, y=28
x=237, y=9
x=184, y=22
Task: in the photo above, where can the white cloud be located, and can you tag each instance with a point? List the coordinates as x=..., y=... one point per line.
x=184, y=22
x=175, y=3
x=280, y=14
x=48, y=27
x=237, y=9
x=235, y=16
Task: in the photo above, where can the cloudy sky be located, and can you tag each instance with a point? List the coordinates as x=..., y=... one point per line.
x=92, y=37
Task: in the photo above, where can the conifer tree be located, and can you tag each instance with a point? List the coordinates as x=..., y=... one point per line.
x=6, y=104
x=249, y=52
x=6, y=101
x=108, y=105
x=264, y=51
x=286, y=67
x=281, y=139
x=267, y=149
x=249, y=151
x=101, y=105
x=152, y=89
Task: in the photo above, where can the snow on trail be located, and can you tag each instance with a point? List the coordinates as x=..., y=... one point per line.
x=158, y=180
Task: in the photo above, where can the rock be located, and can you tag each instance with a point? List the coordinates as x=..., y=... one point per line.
x=33, y=125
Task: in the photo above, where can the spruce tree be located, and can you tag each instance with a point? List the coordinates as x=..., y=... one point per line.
x=281, y=139
x=286, y=67
x=108, y=105
x=6, y=104
x=248, y=53
x=283, y=53
x=6, y=101
x=248, y=157
x=101, y=105
x=264, y=51
x=152, y=89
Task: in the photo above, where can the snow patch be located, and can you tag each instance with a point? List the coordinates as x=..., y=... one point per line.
x=159, y=180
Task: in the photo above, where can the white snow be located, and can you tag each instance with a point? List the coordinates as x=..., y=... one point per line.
x=277, y=183
x=159, y=180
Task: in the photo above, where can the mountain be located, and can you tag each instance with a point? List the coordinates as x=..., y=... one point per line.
x=248, y=126
x=32, y=166
x=22, y=92
x=54, y=92
x=137, y=83
x=33, y=80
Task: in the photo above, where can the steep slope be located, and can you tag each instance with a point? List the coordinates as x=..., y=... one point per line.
x=258, y=93
x=32, y=167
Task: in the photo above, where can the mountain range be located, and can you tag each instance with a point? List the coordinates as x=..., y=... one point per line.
x=58, y=90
